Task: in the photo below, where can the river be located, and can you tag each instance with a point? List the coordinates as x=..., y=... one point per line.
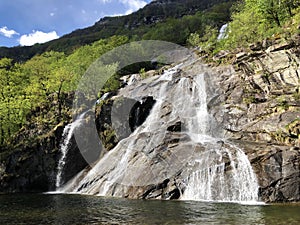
x=83, y=209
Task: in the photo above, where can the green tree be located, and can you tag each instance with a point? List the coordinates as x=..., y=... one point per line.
x=83, y=57
x=277, y=11
x=272, y=10
x=13, y=106
x=41, y=70
x=208, y=42
x=246, y=26
x=254, y=20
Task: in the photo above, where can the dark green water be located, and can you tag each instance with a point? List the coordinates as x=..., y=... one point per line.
x=78, y=209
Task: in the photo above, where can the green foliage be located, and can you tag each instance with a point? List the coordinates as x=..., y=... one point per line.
x=42, y=72
x=277, y=11
x=99, y=76
x=206, y=34
x=254, y=20
x=294, y=23
x=194, y=39
x=44, y=78
x=208, y=42
x=81, y=59
x=249, y=100
x=289, y=134
x=172, y=30
x=13, y=106
x=143, y=73
x=283, y=103
x=296, y=94
x=57, y=66
x=109, y=138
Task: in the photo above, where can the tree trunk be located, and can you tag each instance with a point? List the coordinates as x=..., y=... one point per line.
x=59, y=100
x=276, y=19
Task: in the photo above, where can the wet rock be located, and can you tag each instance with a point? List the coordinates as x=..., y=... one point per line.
x=256, y=46
x=277, y=169
x=29, y=163
x=112, y=120
x=264, y=118
x=30, y=168
x=118, y=117
x=140, y=111
x=177, y=127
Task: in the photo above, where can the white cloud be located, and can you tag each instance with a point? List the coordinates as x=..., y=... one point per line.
x=8, y=33
x=133, y=5
x=37, y=37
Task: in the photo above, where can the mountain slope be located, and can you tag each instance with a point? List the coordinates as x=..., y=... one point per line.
x=134, y=25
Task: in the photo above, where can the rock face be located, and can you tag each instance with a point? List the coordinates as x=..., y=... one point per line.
x=255, y=102
x=278, y=170
x=30, y=168
x=118, y=117
x=29, y=163
x=178, y=145
x=261, y=99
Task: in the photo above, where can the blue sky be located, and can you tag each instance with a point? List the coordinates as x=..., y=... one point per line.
x=26, y=22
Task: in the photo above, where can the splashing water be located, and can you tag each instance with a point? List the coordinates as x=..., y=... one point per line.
x=224, y=174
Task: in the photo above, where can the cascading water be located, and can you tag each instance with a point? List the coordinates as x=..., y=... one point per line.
x=214, y=169
x=222, y=32
x=64, y=147
x=222, y=172
x=117, y=172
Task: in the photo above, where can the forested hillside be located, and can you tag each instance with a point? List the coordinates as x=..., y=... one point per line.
x=158, y=16
x=43, y=79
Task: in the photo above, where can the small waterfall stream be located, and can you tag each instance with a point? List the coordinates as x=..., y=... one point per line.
x=216, y=171
x=64, y=147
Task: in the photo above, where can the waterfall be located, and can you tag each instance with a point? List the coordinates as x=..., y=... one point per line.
x=117, y=166
x=222, y=32
x=213, y=169
x=222, y=172
x=64, y=147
